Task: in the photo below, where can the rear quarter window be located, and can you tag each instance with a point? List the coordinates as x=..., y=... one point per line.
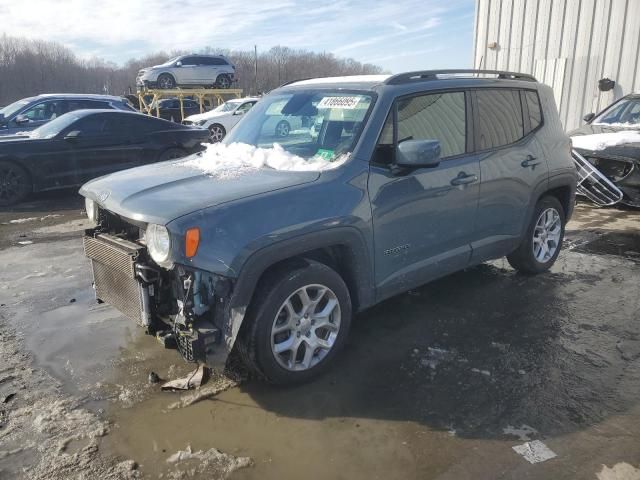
x=533, y=106
x=500, y=120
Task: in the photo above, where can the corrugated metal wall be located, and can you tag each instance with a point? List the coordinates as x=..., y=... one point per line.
x=567, y=44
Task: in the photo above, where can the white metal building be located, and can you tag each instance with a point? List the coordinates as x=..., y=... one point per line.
x=568, y=44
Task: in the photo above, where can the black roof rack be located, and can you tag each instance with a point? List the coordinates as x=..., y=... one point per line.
x=296, y=80
x=433, y=75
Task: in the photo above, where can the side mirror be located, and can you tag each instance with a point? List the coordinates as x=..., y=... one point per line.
x=588, y=117
x=20, y=119
x=418, y=153
x=72, y=135
x=239, y=112
x=178, y=64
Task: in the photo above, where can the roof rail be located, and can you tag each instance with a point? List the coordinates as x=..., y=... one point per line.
x=433, y=75
x=294, y=81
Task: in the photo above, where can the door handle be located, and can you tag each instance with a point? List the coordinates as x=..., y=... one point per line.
x=530, y=161
x=464, y=178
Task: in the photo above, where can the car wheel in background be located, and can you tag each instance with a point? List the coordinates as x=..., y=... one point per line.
x=283, y=128
x=166, y=81
x=543, y=240
x=216, y=133
x=172, y=154
x=298, y=321
x=223, y=81
x=15, y=184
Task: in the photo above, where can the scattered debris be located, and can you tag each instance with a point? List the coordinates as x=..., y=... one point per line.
x=153, y=377
x=53, y=215
x=73, y=300
x=193, y=380
x=486, y=373
x=215, y=386
x=7, y=398
x=25, y=242
x=435, y=356
x=23, y=220
x=524, y=433
x=534, y=452
x=212, y=462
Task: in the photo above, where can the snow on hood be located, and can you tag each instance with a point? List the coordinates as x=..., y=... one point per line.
x=230, y=161
x=600, y=141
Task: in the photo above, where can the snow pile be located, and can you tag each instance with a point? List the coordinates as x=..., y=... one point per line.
x=230, y=161
x=600, y=141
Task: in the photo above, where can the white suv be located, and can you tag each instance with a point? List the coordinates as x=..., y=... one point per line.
x=222, y=118
x=189, y=70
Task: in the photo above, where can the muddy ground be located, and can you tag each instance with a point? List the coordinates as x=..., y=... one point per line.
x=439, y=383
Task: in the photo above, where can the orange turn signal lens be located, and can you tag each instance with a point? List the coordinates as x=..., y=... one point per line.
x=191, y=242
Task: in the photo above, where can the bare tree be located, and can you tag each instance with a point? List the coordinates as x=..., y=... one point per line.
x=31, y=67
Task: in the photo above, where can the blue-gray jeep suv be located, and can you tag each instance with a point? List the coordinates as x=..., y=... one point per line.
x=268, y=245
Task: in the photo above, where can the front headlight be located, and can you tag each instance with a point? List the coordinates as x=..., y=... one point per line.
x=201, y=122
x=92, y=209
x=158, y=243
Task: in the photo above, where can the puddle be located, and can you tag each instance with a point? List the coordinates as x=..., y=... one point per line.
x=621, y=244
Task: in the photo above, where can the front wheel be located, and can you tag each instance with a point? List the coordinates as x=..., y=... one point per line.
x=166, y=81
x=298, y=322
x=543, y=240
x=283, y=128
x=15, y=184
x=216, y=133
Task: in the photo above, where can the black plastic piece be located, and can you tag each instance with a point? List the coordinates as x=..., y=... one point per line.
x=421, y=75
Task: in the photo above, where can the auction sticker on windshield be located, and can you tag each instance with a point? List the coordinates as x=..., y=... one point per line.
x=339, y=102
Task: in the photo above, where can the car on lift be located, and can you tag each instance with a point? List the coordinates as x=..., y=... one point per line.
x=169, y=108
x=610, y=141
x=86, y=144
x=268, y=248
x=215, y=71
x=33, y=112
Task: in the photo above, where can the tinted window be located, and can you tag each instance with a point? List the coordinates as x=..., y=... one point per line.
x=44, y=111
x=85, y=104
x=439, y=116
x=92, y=125
x=190, y=61
x=137, y=124
x=533, y=105
x=218, y=61
x=500, y=118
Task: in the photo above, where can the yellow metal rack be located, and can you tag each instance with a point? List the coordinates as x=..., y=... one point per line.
x=218, y=94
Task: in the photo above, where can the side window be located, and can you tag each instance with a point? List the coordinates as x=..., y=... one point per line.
x=44, y=111
x=535, y=111
x=245, y=107
x=440, y=116
x=500, y=118
x=92, y=125
x=190, y=61
x=218, y=61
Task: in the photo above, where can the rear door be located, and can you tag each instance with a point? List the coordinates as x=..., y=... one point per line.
x=424, y=218
x=512, y=166
x=189, y=71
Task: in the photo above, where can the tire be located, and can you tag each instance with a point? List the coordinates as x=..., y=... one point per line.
x=216, y=133
x=283, y=129
x=172, y=154
x=277, y=325
x=223, y=81
x=166, y=81
x=542, y=233
x=15, y=184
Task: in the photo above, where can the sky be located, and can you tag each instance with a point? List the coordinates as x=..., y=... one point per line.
x=398, y=35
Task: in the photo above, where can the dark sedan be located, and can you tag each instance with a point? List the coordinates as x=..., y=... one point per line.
x=170, y=109
x=611, y=142
x=86, y=144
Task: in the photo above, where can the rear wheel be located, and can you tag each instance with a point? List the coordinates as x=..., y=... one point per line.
x=216, y=133
x=15, y=184
x=172, y=154
x=166, y=81
x=299, y=320
x=543, y=240
x=223, y=81
x=283, y=128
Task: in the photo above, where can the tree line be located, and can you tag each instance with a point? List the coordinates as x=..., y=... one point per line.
x=30, y=67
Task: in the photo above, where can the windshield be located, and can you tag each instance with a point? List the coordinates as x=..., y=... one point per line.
x=14, y=107
x=54, y=127
x=625, y=113
x=169, y=62
x=227, y=106
x=309, y=123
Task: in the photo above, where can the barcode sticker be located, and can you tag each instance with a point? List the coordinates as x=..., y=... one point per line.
x=339, y=102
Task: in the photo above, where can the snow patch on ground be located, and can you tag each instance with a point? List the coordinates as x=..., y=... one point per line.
x=211, y=462
x=600, y=141
x=233, y=160
x=620, y=471
x=524, y=432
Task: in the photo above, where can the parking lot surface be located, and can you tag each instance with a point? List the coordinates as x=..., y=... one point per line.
x=439, y=383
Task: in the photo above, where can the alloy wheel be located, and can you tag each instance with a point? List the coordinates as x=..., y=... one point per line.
x=306, y=327
x=223, y=81
x=216, y=133
x=546, y=235
x=13, y=184
x=282, y=129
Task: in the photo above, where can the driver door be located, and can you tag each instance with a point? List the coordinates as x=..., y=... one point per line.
x=424, y=218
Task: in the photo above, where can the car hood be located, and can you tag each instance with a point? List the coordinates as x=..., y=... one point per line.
x=607, y=140
x=161, y=192
x=206, y=116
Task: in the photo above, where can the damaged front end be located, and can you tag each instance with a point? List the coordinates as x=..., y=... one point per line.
x=184, y=307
